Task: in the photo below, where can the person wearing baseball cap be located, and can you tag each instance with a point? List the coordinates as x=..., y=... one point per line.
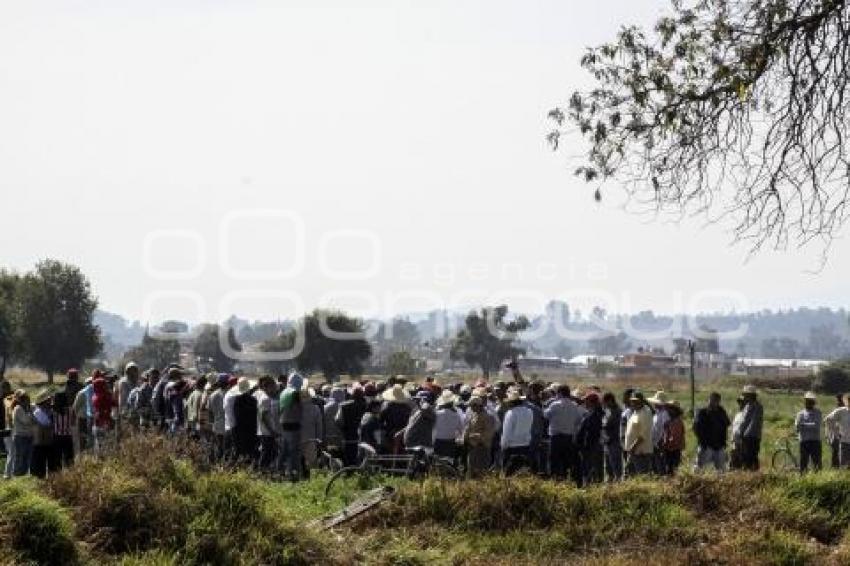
x=751, y=429
x=808, y=427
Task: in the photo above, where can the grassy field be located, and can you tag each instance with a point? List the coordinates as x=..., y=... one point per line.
x=153, y=503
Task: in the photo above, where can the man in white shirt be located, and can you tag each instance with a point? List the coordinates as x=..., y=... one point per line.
x=839, y=422
x=516, y=433
x=448, y=426
x=229, y=415
x=266, y=423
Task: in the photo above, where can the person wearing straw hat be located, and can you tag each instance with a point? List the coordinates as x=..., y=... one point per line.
x=659, y=402
x=448, y=426
x=838, y=423
x=419, y=431
x=478, y=435
x=244, y=431
x=395, y=413
x=751, y=429
x=42, y=446
x=516, y=431
x=638, y=439
x=808, y=426
x=673, y=442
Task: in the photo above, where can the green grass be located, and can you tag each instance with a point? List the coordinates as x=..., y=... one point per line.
x=154, y=503
x=34, y=528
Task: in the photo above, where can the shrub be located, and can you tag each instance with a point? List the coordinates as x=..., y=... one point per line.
x=234, y=524
x=833, y=379
x=34, y=528
x=511, y=509
x=117, y=512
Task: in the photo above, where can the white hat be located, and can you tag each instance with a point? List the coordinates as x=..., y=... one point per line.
x=660, y=398
x=129, y=366
x=446, y=398
x=810, y=396
x=749, y=389
x=396, y=394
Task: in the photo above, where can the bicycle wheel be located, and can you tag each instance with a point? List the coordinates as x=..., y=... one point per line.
x=783, y=461
x=344, y=472
x=444, y=470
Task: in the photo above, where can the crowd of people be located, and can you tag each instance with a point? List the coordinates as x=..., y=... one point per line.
x=281, y=425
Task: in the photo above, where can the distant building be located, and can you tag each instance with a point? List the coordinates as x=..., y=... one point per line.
x=774, y=367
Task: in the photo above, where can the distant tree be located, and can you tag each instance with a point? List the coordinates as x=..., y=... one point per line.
x=401, y=363
x=8, y=294
x=736, y=107
x=833, y=379
x=284, y=341
x=342, y=350
x=488, y=338
x=153, y=352
x=782, y=347
x=610, y=344
x=208, y=347
x=54, y=315
x=826, y=343
x=260, y=332
x=400, y=333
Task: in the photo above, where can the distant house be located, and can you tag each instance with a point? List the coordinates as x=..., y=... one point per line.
x=775, y=367
x=542, y=362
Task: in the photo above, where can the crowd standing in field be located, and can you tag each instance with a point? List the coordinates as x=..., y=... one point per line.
x=281, y=426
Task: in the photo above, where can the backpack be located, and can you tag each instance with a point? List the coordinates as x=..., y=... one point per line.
x=674, y=435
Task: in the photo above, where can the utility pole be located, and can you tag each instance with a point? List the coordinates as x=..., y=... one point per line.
x=691, y=352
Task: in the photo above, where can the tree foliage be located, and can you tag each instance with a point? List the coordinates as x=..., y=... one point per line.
x=8, y=294
x=730, y=107
x=833, y=379
x=330, y=341
x=54, y=317
x=208, y=347
x=153, y=352
x=401, y=363
x=488, y=338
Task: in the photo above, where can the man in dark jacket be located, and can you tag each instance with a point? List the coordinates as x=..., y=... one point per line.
x=348, y=420
x=711, y=426
x=588, y=440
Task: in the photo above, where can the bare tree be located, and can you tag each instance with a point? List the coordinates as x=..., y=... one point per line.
x=733, y=108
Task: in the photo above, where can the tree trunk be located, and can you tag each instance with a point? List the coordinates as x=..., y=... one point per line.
x=3, y=369
x=50, y=377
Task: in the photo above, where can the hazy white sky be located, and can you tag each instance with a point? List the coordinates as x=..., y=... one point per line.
x=201, y=158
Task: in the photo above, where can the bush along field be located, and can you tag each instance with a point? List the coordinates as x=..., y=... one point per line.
x=152, y=502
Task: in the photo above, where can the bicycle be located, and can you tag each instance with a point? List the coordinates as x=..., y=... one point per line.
x=784, y=457
x=416, y=463
x=324, y=459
